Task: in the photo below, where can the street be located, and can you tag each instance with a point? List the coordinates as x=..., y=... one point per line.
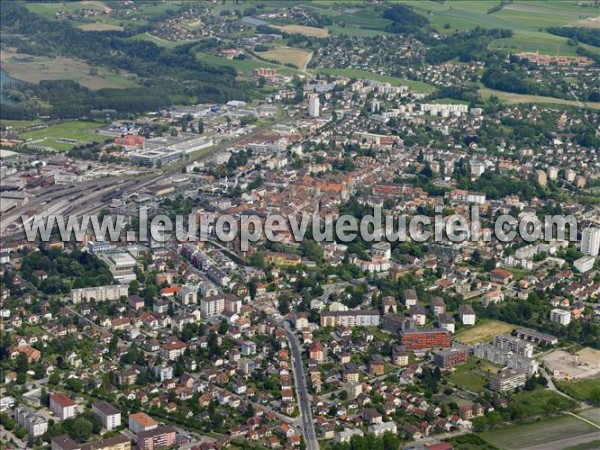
x=308, y=426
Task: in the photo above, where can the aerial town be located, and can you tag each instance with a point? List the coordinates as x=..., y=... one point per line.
x=115, y=339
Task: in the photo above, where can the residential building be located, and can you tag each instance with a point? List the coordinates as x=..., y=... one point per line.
x=350, y=319
x=109, y=415
x=410, y=298
x=141, y=422
x=425, y=339
x=584, y=264
x=560, y=316
x=62, y=406
x=64, y=442
x=466, y=314
x=507, y=380
x=156, y=438
x=438, y=306
x=384, y=427
x=590, y=241
x=316, y=352
x=447, y=359
x=314, y=106
x=514, y=344
x=35, y=424
x=100, y=293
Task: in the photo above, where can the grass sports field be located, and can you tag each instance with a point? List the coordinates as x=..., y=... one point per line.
x=484, y=332
x=288, y=55
x=33, y=69
x=64, y=136
x=540, y=434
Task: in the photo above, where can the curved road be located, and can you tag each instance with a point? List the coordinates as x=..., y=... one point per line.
x=308, y=426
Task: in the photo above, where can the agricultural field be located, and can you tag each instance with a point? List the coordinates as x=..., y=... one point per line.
x=243, y=66
x=550, y=434
x=526, y=19
x=301, y=29
x=418, y=86
x=64, y=136
x=484, y=332
x=288, y=55
x=33, y=69
x=513, y=99
x=16, y=125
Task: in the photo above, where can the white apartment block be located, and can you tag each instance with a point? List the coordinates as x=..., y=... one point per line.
x=560, y=316
x=35, y=424
x=357, y=318
x=109, y=415
x=100, y=293
x=590, y=241
x=514, y=344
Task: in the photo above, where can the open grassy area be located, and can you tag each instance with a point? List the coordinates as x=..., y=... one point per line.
x=538, y=434
x=243, y=66
x=470, y=376
x=594, y=445
x=16, y=125
x=583, y=390
x=418, y=86
x=33, y=69
x=484, y=332
x=513, y=99
x=159, y=41
x=527, y=19
x=65, y=135
x=288, y=55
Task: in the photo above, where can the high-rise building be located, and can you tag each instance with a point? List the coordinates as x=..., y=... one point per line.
x=590, y=241
x=313, y=107
x=541, y=178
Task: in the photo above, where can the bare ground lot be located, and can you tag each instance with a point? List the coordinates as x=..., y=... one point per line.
x=301, y=29
x=565, y=366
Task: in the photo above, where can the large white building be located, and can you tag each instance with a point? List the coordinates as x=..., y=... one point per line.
x=590, y=241
x=584, y=263
x=314, y=107
x=560, y=316
x=35, y=424
x=100, y=293
x=109, y=415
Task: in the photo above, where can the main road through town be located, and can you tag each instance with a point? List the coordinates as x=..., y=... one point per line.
x=308, y=426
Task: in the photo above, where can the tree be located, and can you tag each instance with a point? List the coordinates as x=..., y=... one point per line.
x=81, y=430
x=223, y=327
x=54, y=378
x=200, y=126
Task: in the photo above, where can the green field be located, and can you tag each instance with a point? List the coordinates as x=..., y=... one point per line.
x=34, y=69
x=526, y=19
x=594, y=445
x=539, y=433
x=484, y=332
x=16, y=125
x=469, y=376
x=583, y=390
x=159, y=41
x=64, y=136
x=355, y=73
x=513, y=99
